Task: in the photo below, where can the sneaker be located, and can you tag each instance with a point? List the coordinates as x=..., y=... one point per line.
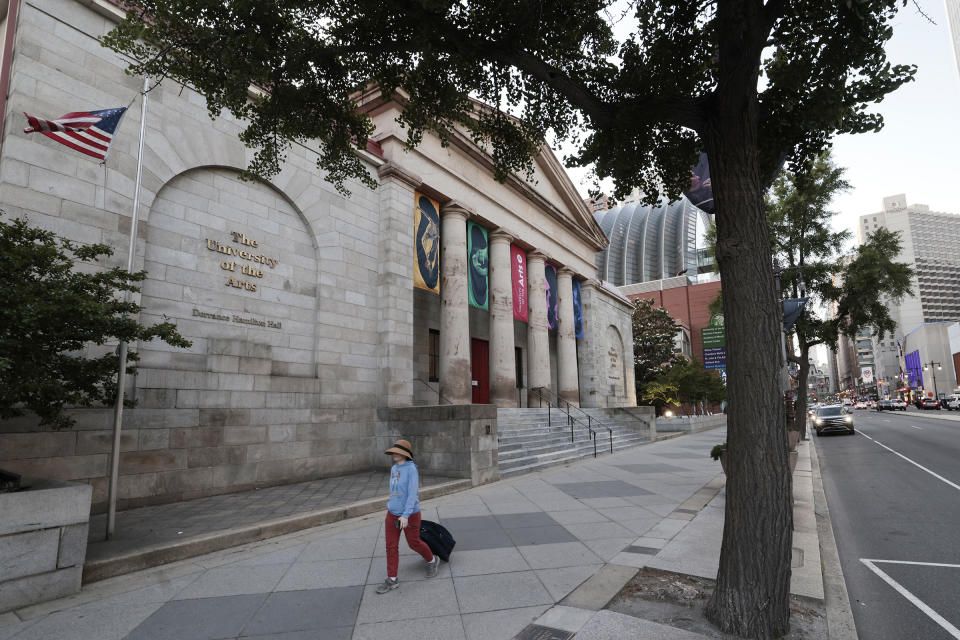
x=433, y=566
x=388, y=585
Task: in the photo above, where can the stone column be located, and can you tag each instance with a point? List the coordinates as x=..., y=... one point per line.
x=503, y=372
x=568, y=379
x=538, y=342
x=455, y=379
x=394, y=290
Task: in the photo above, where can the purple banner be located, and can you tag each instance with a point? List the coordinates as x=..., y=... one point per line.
x=552, y=294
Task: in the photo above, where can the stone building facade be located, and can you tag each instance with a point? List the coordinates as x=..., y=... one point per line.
x=300, y=303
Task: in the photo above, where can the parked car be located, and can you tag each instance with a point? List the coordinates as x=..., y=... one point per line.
x=899, y=404
x=833, y=418
x=929, y=403
x=885, y=405
x=952, y=402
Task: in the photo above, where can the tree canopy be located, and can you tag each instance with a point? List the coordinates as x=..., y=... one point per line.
x=636, y=104
x=847, y=292
x=654, y=341
x=51, y=312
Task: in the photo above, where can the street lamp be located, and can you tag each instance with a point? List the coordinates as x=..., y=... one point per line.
x=930, y=366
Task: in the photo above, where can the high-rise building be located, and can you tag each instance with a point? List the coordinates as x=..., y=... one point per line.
x=931, y=245
x=953, y=26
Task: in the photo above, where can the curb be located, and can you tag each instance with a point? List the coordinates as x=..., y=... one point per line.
x=840, y=623
x=155, y=555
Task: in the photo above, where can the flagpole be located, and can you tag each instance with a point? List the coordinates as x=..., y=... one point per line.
x=121, y=373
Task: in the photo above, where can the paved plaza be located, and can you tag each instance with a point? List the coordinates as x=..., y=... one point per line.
x=522, y=546
x=138, y=528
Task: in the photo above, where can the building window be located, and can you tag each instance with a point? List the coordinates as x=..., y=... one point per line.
x=518, y=361
x=433, y=355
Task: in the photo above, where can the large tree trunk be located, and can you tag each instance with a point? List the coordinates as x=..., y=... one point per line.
x=752, y=595
x=803, y=372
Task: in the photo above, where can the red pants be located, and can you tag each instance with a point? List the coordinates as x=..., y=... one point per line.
x=412, y=533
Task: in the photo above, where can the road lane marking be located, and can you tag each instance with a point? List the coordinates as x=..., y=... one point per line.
x=916, y=464
x=913, y=426
x=914, y=600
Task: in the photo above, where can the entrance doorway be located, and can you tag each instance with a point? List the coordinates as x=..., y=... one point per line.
x=480, y=370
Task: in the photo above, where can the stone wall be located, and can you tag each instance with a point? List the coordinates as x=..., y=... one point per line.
x=43, y=541
x=458, y=441
x=691, y=424
x=297, y=299
x=605, y=353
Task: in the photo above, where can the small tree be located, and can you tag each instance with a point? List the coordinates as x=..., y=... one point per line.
x=694, y=383
x=660, y=393
x=854, y=290
x=50, y=312
x=654, y=342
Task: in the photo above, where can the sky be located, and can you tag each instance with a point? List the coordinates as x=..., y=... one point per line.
x=919, y=143
x=914, y=151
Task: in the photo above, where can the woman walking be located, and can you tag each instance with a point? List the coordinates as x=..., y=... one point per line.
x=403, y=514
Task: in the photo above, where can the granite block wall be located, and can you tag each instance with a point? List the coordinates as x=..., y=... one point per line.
x=43, y=541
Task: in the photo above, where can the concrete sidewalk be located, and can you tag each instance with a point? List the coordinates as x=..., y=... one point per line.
x=152, y=536
x=523, y=545
x=693, y=550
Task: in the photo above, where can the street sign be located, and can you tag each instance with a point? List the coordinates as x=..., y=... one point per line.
x=714, y=343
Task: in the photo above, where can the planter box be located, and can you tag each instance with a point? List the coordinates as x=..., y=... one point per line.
x=794, y=456
x=43, y=541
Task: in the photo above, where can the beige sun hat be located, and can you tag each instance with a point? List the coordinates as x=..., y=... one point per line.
x=401, y=447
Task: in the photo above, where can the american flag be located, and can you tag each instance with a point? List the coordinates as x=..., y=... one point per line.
x=89, y=132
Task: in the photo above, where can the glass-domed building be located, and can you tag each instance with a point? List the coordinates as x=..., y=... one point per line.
x=648, y=242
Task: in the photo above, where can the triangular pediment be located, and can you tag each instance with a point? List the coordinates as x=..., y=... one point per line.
x=550, y=188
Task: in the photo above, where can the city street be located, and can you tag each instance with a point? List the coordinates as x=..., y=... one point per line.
x=894, y=496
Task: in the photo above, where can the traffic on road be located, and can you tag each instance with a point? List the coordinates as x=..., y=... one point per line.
x=893, y=493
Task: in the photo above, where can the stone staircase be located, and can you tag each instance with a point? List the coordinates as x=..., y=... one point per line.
x=529, y=440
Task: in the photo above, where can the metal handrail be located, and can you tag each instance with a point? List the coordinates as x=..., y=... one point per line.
x=590, y=421
x=571, y=420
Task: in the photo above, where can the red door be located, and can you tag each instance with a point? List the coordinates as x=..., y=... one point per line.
x=480, y=367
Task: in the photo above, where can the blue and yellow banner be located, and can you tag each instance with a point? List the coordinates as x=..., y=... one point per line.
x=426, y=239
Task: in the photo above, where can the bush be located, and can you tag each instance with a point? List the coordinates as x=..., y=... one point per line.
x=50, y=312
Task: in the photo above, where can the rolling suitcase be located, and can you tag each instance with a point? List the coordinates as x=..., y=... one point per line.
x=438, y=539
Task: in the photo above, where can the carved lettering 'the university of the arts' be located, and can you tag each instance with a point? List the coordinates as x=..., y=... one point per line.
x=243, y=252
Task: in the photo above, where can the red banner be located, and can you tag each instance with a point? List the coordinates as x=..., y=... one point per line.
x=518, y=269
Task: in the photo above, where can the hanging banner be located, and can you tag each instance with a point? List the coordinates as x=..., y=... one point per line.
x=426, y=238
x=477, y=266
x=714, y=341
x=518, y=269
x=700, y=193
x=577, y=310
x=552, y=308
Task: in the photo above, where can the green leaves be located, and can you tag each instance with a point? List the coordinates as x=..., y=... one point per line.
x=52, y=318
x=872, y=280
x=654, y=340
x=639, y=102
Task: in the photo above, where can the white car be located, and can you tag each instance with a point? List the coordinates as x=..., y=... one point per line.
x=952, y=402
x=860, y=405
x=899, y=404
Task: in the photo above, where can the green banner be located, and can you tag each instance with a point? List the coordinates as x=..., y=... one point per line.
x=477, y=266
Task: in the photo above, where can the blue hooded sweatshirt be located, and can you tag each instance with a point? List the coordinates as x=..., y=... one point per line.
x=404, y=490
